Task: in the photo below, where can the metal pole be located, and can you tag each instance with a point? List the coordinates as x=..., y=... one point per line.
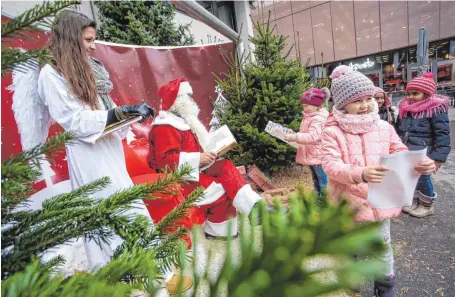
x=200, y=12
x=196, y=10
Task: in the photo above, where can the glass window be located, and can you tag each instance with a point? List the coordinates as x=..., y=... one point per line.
x=374, y=77
x=226, y=13
x=445, y=72
x=223, y=10
x=439, y=50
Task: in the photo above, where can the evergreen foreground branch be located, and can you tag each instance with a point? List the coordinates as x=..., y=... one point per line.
x=12, y=57
x=298, y=254
x=38, y=15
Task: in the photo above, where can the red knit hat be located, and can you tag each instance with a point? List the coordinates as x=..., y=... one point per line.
x=172, y=90
x=424, y=84
x=315, y=96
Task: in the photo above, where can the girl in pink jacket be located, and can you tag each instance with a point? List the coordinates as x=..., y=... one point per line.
x=353, y=141
x=309, y=137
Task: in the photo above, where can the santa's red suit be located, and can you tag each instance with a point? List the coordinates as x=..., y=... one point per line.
x=173, y=144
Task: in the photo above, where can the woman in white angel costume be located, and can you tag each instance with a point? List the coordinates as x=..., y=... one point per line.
x=74, y=92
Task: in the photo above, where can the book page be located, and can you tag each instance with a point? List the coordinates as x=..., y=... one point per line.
x=279, y=131
x=119, y=125
x=221, y=141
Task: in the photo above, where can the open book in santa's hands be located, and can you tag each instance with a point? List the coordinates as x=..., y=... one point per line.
x=221, y=142
x=279, y=131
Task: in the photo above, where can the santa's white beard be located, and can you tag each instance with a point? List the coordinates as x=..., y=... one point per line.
x=188, y=110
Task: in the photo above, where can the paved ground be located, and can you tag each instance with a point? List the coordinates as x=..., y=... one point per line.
x=425, y=248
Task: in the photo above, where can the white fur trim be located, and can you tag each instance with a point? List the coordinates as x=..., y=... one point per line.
x=221, y=229
x=211, y=194
x=168, y=118
x=193, y=160
x=185, y=89
x=245, y=199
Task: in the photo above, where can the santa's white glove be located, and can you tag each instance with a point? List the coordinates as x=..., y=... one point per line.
x=214, y=192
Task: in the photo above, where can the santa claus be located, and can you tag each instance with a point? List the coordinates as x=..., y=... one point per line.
x=176, y=138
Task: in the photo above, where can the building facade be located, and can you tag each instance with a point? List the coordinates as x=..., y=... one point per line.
x=378, y=38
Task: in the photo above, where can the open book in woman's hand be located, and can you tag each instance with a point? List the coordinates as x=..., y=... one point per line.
x=119, y=125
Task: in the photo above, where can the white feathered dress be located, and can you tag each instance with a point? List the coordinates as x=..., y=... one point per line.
x=89, y=158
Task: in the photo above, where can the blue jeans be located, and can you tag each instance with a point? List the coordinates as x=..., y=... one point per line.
x=425, y=186
x=319, y=178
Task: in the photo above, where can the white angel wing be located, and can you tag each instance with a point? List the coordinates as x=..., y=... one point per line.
x=31, y=114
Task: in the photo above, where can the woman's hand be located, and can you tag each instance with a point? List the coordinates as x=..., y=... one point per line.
x=426, y=167
x=374, y=174
x=207, y=158
x=142, y=109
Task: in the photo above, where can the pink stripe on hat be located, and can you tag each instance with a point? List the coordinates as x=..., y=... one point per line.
x=424, y=84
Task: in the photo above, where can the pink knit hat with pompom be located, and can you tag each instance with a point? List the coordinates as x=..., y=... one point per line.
x=349, y=85
x=315, y=96
x=424, y=84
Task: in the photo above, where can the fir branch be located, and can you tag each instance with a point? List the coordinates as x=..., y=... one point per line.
x=168, y=223
x=76, y=197
x=35, y=16
x=11, y=57
x=53, y=147
x=35, y=280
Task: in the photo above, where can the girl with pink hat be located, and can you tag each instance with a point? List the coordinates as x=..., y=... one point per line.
x=353, y=142
x=423, y=122
x=309, y=137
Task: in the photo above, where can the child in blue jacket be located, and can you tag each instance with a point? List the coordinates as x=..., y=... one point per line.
x=423, y=122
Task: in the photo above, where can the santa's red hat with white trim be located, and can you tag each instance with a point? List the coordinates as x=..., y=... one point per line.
x=170, y=91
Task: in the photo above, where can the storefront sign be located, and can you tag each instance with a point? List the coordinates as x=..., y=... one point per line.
x=364, y=65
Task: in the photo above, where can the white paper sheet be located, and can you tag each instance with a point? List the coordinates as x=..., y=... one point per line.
x=279, y=131
x=399, y=183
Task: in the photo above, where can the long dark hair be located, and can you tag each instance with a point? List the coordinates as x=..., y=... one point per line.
x=67, y=47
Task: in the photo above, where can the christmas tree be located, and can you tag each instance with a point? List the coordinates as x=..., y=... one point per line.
x=263, y=90
x=141, y=23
